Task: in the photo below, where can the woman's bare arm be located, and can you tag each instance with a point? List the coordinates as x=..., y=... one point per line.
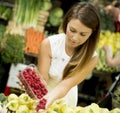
x=44, y=59
x=65, y=85
x=111, y=61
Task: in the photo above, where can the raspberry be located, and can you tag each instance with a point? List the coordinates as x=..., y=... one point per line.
x=34, y=85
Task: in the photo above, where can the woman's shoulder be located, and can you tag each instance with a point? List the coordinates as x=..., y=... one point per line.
x=56, y=36
x=53, y=39
x=56, y=39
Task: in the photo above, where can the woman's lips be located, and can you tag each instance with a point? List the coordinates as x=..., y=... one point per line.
x=72, y=42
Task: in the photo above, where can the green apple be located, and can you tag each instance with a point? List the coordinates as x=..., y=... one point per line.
x=51, y=111
x=32, y=111
x=66, y=109
x=22, y=109
x=104, y=110
x=115, y=110
x=32, y=104
x=78, y=108
x=54, y=107
x=82, y=110
x=24, y=98
x=12, y=97
x=93, y=108
x=13, y=105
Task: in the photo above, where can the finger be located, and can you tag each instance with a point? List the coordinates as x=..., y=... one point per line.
x=21, y=85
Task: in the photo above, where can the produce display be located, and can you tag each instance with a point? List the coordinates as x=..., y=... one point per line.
x=23, y=26
x=62, y=107
x=113, y=40
x=2, y=31
x=33, y=41
x=18, y=104
x=106, y=25
x=25, y=104
x=27, y=12
x=5, y=12
x=56, y=16
x=110, y=38
x=12, y=49
x=34, y=85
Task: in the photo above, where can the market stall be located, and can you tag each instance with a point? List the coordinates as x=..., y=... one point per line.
x=24, y=24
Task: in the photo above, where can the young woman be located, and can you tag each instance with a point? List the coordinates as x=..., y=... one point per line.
x=66, y=59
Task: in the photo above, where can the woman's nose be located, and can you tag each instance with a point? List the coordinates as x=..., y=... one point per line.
x=76, y=36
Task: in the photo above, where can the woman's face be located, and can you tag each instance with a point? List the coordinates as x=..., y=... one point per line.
x=76, y=33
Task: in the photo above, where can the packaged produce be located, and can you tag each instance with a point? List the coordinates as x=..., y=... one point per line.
x=34, y=85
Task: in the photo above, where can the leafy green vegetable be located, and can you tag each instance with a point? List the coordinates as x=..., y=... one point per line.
x=2, y=30
x=55, y=21
x=2, y=97
x=55, y=17
x=12, y=51
x=27, y=11
x=5, y=12
x=58, y=12
x=47, y=5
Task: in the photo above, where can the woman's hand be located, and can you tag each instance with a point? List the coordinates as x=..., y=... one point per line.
x=21, y=85
x=106, y=48
x=49, y=100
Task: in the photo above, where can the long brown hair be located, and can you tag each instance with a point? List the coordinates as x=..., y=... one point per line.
x=88, y=15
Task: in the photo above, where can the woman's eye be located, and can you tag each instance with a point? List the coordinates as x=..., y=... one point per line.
x=82, y=34
x=72, y=30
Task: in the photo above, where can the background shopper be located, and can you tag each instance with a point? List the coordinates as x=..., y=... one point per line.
x=114, y=61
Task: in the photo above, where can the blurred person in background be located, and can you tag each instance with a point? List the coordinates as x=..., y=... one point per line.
x=114, y=62
x=111, y=61
x=113, y=10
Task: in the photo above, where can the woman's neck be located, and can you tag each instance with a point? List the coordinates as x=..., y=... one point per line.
x=69, y=50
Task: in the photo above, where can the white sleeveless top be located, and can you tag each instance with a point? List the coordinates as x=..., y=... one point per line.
x=58, y=63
